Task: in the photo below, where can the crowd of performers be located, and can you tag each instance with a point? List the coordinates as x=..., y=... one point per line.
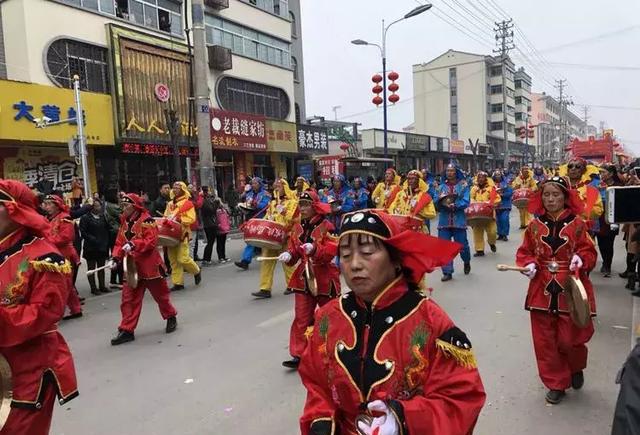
x=381, y=358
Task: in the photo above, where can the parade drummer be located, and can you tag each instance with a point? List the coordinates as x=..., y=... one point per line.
x=283, y=209
x=256, y=199
x=385, y=192
x=556, y=244
x=524, y=181
x=503, y=210
x=384, y=358
x=180, y=209
x=585, y=179
x=484, y=191
x=62, y=234
x=316, y=279
x=453, y=198
x=138, y=238
x=359, y=194
x=37, y=281
x=413, y=200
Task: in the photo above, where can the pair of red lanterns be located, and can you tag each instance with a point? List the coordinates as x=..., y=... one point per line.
x=393, y=88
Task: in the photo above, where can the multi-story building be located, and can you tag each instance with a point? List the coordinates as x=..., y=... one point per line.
x=138, y=56
x=460, y=95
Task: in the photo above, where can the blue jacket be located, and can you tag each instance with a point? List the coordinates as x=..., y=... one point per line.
x=453, y=218
x=346, y=200
x=360, y=198
x=260, y=201
x=507, y=192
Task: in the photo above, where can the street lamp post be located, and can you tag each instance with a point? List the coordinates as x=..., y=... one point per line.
x=383, y=53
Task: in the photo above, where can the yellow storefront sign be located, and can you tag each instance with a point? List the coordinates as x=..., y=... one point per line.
x=281, y=136
x=21, y=103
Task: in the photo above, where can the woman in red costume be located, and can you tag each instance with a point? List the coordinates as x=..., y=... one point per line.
x=556, y=244
x=310, y=244
x=384, y=359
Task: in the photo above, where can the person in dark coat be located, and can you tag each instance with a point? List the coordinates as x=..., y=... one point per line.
x=209, y=223
x=626, y=417
x=95, y=231
x=112, y=214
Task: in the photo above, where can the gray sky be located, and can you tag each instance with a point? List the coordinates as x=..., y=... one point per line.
x=598, y=33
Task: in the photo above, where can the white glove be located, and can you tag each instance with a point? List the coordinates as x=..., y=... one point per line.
x=285, y=257
x=112, y=264
x=385, y=425
x=531, y=272
x=308, y=248
x=576, y=263
x=614, y=227
x=128, y=247
x=247, y=187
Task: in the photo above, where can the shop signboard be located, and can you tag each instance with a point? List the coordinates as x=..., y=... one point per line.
x=238, y=131
x=417, y=142
x=312, y=139
x=457, y=146
x=329, y=166
x=281, y=136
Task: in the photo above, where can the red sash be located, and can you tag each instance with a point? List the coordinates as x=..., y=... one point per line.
x=424, y=200
x=392, y=196
x=591, y=198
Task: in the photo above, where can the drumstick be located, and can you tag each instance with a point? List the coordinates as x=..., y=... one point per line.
x=93, y=271
x=507, y=267
x=266, y=258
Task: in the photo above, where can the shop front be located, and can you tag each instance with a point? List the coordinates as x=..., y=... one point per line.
x=46, y=158
x=151, y=108
x=313, y=142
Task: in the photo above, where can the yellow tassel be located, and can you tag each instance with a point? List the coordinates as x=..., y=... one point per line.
x=48, y=266
x=308, y=332
x=149, y=225
x=464, y=357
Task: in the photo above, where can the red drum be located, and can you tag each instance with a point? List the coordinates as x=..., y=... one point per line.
x=170, y=232
x=264, y=234
x=521, y=197
x=479, y=213
x=408, y=222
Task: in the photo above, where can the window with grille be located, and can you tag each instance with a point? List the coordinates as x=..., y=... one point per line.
x=67, y=57
x=239, y=95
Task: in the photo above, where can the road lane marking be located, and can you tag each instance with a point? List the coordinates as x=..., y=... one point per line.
x=287, y=316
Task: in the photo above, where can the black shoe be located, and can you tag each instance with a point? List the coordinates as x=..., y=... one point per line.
x=105, y=290
x=177, y=287
x=636, y=293
x=242, y=264
x=172, y=324
x=95, y=291
x=467, y=268
x=554, y=396
x=493, y=248
x=288, y=291
x=606, y=272
x=446, y=277
x=624, y=274
x=505, y=238
x=631, y=282
x=122, y=337
x=293, y=363
x=81, y=298
x=262, y=294
x=198, y=277
x=479, y=254
x=73, y=316
x=577, y=380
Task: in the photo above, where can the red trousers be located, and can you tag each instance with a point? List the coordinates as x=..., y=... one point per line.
x=560, y=348
x=73, y=300
x=131, y=305
x=305, y=307
x=31, y=421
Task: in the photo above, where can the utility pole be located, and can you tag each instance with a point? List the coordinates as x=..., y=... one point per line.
x=203, y=119
x=335, y=111
x=504, y=39
x=564, y=101
x=82, y=140
x=585, y=111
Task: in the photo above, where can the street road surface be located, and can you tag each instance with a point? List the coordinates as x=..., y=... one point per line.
x=220, y=372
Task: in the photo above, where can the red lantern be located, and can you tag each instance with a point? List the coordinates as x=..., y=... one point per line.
x=376, y=78
x=394, y=98
x=393, y=87
x=393, y=76
x=377, y=89
x=344, y=146
x=377, y=100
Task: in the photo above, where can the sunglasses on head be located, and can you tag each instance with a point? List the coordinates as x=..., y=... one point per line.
x=575, y=166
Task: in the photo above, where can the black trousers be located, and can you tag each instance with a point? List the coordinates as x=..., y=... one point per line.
x=94, y=263
x=605, y=244
x=212, y=238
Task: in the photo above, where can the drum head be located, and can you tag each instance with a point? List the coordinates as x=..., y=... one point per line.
x=578, y=303
x=264, y=244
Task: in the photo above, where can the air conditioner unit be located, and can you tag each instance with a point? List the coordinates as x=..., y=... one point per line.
x=217, y=4
x=219, y=58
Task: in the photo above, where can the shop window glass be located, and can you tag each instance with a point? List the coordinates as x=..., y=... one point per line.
x=249, y=97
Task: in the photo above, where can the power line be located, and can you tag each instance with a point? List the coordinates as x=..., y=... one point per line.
x=481, y=11
x=591, y=39
x=482, y=26
x=596, y=67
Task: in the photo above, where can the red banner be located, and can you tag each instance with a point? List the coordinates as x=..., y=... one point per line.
x=238, y=131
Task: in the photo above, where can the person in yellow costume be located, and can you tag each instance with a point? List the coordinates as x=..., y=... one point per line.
x=302, y=185
x=524, y=181
x=584, y=178
x=484, y=190
x=386, y=192
x=414, y=200
x=181, y=209
x=283, y=209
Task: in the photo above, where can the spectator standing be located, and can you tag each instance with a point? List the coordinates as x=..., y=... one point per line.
x=95, y=232
x=198, y=198
x=209, y=224
x=112, y=214
x=607, y=233
x=223, y=227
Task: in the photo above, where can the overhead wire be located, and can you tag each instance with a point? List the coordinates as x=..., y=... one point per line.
x=481, y=27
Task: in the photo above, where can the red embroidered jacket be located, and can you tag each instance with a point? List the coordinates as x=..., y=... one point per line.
x=317, y=231
x=547, y=240
x=35, y=285
x=402, y=349
x=140, y=230
x=62, y=235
